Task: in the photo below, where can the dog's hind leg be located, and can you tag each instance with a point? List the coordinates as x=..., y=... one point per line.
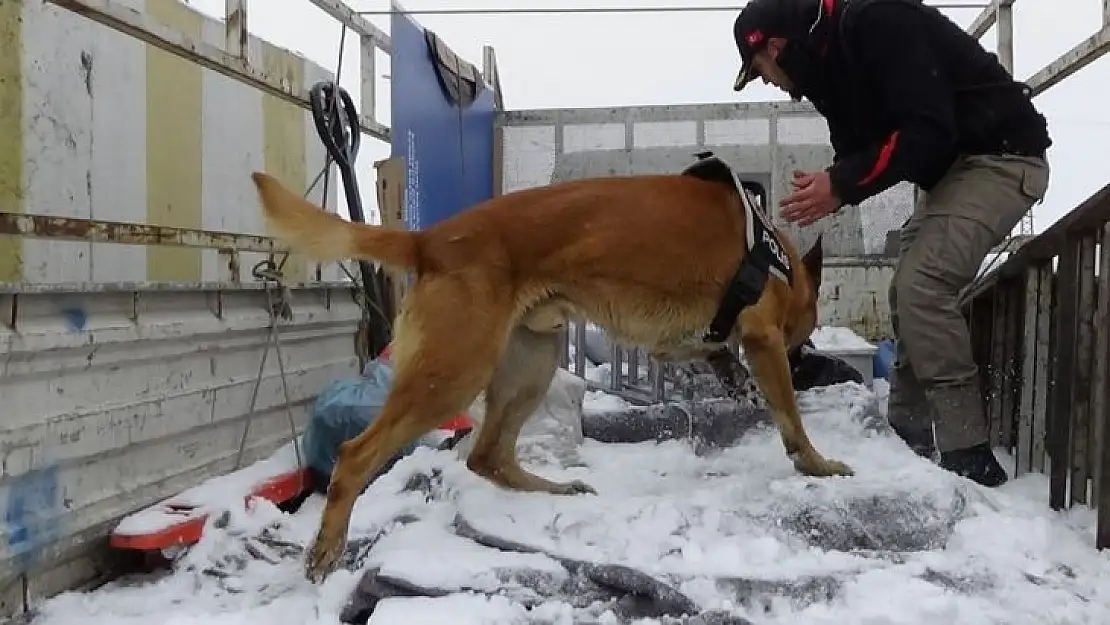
x=442, y=362
x=765, y=349
x=517, y=388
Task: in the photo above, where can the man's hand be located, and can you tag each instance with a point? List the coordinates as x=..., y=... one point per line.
x=813, y=198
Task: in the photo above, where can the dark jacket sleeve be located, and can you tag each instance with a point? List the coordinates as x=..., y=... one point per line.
x=895, y=55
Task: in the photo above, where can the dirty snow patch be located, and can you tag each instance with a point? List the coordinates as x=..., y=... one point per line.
x=737, y=531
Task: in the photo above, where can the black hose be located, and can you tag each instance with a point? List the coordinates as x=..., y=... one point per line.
x=336, y=120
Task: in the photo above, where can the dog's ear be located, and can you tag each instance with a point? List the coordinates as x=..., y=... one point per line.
x=814, y=261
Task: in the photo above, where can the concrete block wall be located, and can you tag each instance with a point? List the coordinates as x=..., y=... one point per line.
x=766, y=142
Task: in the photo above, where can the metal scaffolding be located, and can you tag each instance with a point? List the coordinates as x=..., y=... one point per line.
x=1075, y=59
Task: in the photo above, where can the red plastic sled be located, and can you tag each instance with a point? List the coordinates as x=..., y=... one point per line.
x=180, y=520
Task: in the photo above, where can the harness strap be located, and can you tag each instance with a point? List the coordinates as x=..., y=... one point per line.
x=764, y=256
x=743, y=290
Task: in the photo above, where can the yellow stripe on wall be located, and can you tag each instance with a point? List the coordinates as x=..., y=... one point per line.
x=11, y=133
x=174, y=146
x=284, y=152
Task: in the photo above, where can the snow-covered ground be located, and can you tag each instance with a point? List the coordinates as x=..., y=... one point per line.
x=735, y=530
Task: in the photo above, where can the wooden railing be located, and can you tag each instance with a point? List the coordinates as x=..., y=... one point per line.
x=1040, y=327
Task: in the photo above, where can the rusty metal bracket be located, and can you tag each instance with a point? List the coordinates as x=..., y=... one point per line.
x=100, y=231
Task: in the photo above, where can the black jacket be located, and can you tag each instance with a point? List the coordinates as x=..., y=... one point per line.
x=904, y=91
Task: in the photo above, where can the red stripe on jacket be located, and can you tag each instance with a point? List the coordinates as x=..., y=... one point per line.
x=883, y=161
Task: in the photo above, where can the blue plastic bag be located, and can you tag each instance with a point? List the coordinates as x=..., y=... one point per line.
x=884, y=359
x=341, y=412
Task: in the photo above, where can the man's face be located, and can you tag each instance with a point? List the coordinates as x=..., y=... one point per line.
x=766, y=63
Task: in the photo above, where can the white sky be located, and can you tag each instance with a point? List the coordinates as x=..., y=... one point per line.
x=557, y=61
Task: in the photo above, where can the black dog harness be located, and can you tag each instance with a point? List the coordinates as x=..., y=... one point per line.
x=766, y=256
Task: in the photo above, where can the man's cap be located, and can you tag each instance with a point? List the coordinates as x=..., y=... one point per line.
x=761, y=20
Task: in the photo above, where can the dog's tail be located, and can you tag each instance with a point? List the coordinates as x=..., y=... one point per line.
x=814, y=262
x=327, y=237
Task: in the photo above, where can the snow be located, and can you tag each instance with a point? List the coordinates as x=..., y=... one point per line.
x=902, y=541
x=600, y=401
x=838, y=339
x=211, y=496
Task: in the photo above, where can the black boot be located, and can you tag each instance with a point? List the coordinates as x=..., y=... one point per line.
x=921, y=442
x=977, y=464
x=908, y=411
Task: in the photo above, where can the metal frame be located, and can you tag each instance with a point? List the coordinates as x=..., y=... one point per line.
x=1001, y=14
x=228, y=244
x=1068, y=63
x=232, y=61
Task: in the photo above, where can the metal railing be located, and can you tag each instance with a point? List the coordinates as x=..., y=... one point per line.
x=231, y=59
x=632, y=374
x=1040, y=329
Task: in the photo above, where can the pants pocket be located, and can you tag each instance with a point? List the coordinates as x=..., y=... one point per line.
x=1034, y=182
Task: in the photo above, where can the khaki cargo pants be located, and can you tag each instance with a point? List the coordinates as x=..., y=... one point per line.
x=934, y=383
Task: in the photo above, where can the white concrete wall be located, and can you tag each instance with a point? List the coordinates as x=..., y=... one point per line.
x=113, y=397
x=103, y=416
x=764, y=141
x=854, y=294
x=113, y=129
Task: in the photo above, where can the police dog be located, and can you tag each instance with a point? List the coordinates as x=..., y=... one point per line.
x=647, y=258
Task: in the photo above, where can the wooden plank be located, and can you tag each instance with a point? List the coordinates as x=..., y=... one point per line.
x=1065, y=328
x=1031, y=299
x=1085, y=338
x=1015, y=314
x=1100, y=376
x=998, y=365
x=1041, y=360
x=1088, y=217
x=142, y=27
x=1102, y=412
x=979, y=327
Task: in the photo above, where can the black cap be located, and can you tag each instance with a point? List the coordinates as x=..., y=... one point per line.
x=761, y=20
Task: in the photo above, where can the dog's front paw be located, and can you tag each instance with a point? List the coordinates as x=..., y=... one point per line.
x=822, y=467
x=321, y=559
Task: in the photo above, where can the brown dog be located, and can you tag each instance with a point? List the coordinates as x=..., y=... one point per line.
x=645, y=257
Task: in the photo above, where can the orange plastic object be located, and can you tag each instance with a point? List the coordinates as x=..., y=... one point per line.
x=278, y=489
x=183, y=523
